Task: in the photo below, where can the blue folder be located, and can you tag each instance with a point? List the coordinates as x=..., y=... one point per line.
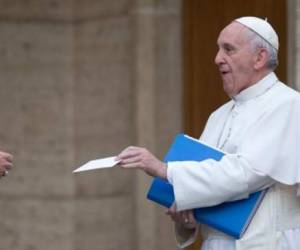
x=231, y=218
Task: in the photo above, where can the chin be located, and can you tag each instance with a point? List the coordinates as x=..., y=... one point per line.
x=228, y=89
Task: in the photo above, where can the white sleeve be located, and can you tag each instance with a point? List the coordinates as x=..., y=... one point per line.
x=210, y=182
x=185, y=237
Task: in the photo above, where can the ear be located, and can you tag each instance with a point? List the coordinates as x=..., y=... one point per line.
x=261, y=58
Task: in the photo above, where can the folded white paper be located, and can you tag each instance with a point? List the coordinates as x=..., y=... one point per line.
x=98, y=163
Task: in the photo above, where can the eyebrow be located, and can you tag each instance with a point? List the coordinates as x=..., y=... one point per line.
x=228, y=45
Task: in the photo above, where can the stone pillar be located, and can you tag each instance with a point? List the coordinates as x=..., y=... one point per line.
x=145, y=111
x=158, y=105
x=103, y=123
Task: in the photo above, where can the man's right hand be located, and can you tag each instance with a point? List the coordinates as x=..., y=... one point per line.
x=5, y=163
x=185, y=218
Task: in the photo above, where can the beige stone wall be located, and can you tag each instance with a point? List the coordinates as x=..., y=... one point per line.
x=82, y=79
x=79, y=80
x=36, y=85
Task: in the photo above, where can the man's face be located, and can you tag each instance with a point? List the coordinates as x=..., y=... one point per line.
x=235, y=59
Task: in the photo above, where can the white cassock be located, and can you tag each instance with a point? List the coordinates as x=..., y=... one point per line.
x=259, y=129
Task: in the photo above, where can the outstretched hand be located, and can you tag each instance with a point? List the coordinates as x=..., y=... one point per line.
x=5, y=163
x=141, y=158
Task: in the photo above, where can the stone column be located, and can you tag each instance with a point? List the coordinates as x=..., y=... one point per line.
x=158, y=106
x=103, y=124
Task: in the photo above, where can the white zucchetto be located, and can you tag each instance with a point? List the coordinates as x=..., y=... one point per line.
x=262, y=28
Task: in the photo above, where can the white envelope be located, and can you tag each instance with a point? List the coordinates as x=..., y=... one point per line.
x=97, y=164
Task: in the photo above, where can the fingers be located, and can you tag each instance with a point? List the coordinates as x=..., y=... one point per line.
x=128, y=153
x=179, y=217
x=129, y=158
x=141, y=158
x=191, y=218
x=176, y=216
x=132, y=157
x=3, y=173
x=8, y=157
x=5, y=163
x=185, y=218
x=130, y=162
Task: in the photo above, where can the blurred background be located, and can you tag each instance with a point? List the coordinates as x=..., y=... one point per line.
x=83, y=79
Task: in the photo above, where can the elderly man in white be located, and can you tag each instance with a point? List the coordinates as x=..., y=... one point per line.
x=259, y=130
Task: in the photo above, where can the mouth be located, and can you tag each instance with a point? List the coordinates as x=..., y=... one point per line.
x=224, y=72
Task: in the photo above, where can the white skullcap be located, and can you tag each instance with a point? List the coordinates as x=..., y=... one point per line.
x=262, y=28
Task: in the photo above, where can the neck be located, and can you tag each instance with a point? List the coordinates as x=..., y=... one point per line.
x=258, y=76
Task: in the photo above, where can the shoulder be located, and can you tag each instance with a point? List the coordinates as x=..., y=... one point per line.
x=281, y=103
x=285, y=96
x=286, y=93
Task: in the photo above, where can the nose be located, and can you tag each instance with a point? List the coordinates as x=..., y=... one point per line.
x=219, y=57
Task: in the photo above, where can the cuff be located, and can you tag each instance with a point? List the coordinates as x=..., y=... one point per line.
x=170, y=172
x=184, y=236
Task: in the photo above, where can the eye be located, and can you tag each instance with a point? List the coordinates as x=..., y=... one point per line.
x=229, y=49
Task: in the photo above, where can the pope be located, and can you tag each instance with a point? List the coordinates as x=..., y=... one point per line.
x=259, y=130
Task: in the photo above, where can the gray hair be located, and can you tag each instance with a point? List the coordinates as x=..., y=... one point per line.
x=257, y=42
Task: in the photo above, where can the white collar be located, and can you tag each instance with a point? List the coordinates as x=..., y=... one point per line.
x=256, y=89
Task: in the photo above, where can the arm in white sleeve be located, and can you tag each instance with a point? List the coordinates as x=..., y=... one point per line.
x=210, y=182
